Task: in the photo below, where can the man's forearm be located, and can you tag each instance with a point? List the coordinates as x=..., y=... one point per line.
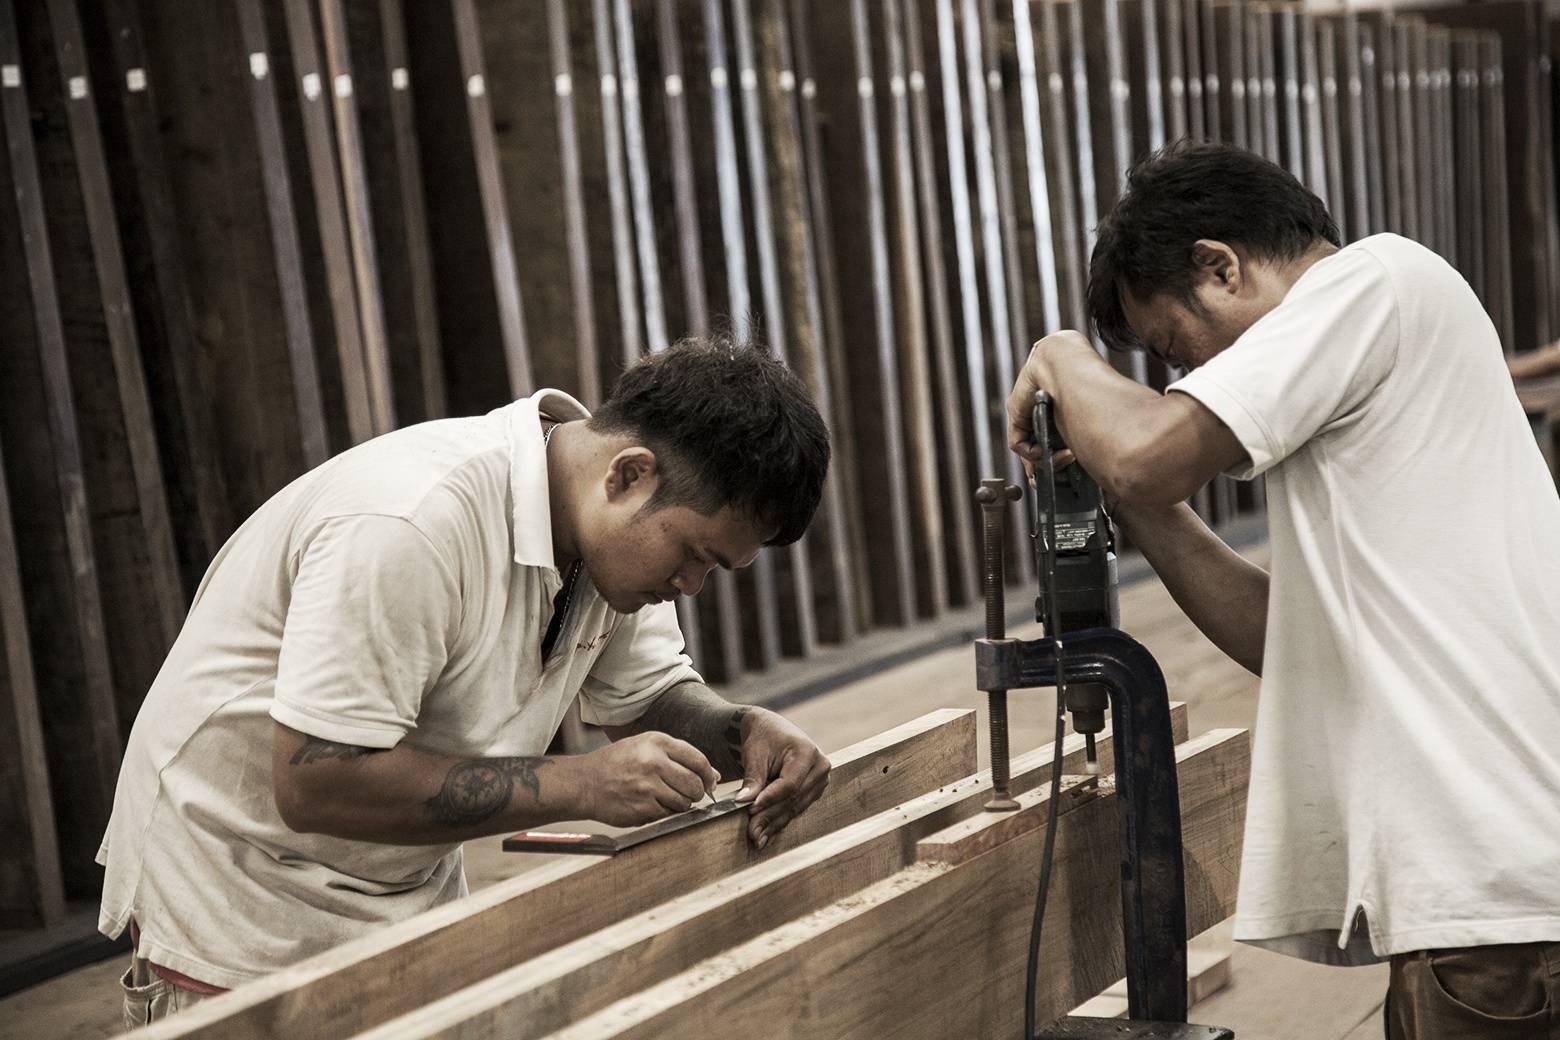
x=403, y=796
x=693, y=712
x=1224, y=594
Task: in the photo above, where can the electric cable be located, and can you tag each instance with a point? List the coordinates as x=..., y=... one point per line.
x=1031, y=977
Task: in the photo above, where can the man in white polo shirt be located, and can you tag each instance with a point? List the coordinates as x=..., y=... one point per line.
x=1405, y=793
x=377, y=660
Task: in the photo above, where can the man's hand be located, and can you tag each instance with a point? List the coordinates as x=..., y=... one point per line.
x=1038, y=374
x=643, y=778
x=783, y=773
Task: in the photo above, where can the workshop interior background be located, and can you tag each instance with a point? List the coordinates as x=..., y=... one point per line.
x=239, y=236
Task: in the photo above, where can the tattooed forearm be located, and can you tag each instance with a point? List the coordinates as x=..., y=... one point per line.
x=693, y=712
x=316, y=750
x=480, y=788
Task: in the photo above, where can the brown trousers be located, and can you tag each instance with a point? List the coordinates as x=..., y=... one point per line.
x=1480, y=993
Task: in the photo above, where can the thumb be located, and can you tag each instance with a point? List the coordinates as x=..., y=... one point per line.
x=752, y=783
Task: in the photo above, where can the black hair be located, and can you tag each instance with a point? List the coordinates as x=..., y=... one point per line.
x=730, y=426
x=1185, y=192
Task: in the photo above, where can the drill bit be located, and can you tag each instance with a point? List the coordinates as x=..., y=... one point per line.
x=993, y=495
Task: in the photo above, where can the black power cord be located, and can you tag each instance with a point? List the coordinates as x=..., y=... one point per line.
x=1031, y=976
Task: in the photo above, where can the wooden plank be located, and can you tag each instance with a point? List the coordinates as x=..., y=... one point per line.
x=32, y=889
x=1356, y=182
x=1259, y=57
x=254, y=54
x=792, y=574
x=1172, y=45
x=325, y=178
x=178, y=383
x=1469, y=186
x=363, y=983
x=54, y=536
x=957, y=507
x=413, y=224
x=640, y=201
x=845, y=467
x=863, y=964
x=1372, y=89
x=357, y=206
x=1497, y=178
x=1383, y=48
x=1338, y=199
x=1070, y=234
x=826, y=546
x=149, y=571
x=913, y=361
x=1007, y=346
x=1229, y=45
x=1311, y=91
x=1287, y=29
x=849, y=83
x=1036, y=179
x=573, y=981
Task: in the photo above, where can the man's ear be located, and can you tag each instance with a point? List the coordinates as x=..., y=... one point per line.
x=1218, y=264
x=632, y=472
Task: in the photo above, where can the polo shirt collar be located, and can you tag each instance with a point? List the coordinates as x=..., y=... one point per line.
x=531, y=517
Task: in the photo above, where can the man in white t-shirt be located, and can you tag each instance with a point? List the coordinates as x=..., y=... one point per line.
x=1405, y=792
x=376, y=662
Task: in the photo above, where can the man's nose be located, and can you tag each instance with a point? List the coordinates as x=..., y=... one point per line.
x=690, y=579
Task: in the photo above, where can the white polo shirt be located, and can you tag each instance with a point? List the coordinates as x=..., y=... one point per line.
x=399, y=592
x=1406, y=767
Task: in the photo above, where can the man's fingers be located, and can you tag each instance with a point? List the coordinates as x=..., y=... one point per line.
x=672, y=800
x=763, y=828
x=781, y=789
x=813, y=787
x=693, y=760
x=687, y=783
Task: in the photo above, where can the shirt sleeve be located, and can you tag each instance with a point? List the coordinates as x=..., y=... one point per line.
x=374, y=609
x=1307, y=366
x=643, y=659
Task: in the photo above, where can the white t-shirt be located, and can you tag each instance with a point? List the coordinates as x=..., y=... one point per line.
x=1407, y=752
x=399, y=592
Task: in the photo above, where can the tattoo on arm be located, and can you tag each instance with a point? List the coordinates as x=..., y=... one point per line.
x=478, y=789
x=316, y=750
x=695, y=713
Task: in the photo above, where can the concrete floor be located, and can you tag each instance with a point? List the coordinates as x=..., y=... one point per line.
x=1269, y=997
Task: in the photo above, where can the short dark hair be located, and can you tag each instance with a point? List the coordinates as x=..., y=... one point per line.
x=730, y=426
x=1185, y=192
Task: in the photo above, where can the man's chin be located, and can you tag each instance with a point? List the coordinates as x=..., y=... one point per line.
x=628, y=603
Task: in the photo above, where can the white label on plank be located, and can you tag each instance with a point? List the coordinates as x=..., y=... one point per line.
x=749, y=79
x=809, y=88
x=1238, y=89
x=787, y=80
x=1177, y=86
x=1119, y=89
x=311, y=86
x=563, y=84
x=917, y=81
x=1253, y=86
x=1355, y=86
x=1422, y=79
x=1291, y=89
x=259, y=65
x=718, y=77
x=896, y=86
x=10, y=75
x=1309, y=94
x=1269, y=88
x=994, y=79
x=135, y=80
x=1213, y=84
x=674, y=85
x=609, y=85
x=1194, y=87
x=343, y=86
x=476, y=86
x=78, y=87
x=1055, y=79
x=864, y=86
x=399, y=79
x=630, y=89
x=1402, y=81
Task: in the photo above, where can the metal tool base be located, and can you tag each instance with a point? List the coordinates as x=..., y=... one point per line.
x=1071, y=1028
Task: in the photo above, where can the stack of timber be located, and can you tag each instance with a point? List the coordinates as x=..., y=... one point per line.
x=240, y=236
x=894, y=906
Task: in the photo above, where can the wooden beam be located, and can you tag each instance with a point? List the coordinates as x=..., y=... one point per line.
x=32, y=890
x=549, y=992
x=59, y=564
x=937, y=950
x=364, y=983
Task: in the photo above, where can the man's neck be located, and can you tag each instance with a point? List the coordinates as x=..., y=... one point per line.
x=564, y=453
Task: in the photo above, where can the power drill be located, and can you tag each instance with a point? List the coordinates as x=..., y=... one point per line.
x=1075, y=558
